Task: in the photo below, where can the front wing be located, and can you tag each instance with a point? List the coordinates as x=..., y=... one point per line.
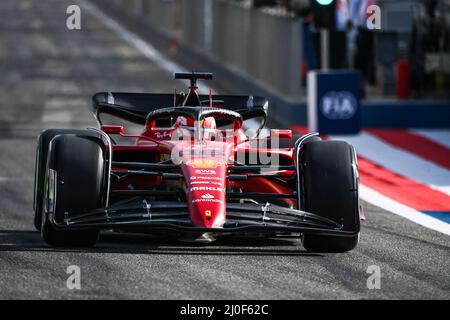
x=142, y=216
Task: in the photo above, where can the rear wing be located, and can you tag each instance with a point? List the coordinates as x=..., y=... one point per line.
x=135, y=107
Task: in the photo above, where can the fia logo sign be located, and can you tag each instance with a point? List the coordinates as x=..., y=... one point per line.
x=338, y=105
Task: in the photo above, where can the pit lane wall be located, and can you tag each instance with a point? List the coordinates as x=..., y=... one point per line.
x=259, y=52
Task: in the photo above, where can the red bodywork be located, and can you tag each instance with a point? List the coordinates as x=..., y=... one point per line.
x=193, y=171
x=204, y=165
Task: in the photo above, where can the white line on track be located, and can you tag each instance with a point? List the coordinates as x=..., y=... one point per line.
x=379, y=200
x=400, y=161
x=441, y=137
x=137, y=42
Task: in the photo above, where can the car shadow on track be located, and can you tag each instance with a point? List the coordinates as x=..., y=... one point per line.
x=28, y=241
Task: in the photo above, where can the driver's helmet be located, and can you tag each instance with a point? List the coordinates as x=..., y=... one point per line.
x=207, y=123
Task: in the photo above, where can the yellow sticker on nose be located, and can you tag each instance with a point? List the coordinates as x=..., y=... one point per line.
x=202, y=164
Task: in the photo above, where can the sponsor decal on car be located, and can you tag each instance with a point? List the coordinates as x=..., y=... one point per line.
x=205, y=178
x=206, y=182
x=205, y=171
x=204, y=164
x=206, y=189
x=207, y=200
x=208, y=196
x=162, y=135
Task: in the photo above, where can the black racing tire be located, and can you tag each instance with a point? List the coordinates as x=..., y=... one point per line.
x=41, y=162
x=79, y=164
x=329, y=188
x=295, y=137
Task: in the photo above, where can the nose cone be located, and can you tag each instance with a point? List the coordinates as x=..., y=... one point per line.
x=206, y=190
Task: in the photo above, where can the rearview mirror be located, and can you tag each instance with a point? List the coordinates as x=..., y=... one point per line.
x=113, y=129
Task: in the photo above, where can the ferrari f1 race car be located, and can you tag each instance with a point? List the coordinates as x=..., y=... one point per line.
x=197, y=171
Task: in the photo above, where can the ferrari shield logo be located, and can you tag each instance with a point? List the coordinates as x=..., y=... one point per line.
x=204, y=164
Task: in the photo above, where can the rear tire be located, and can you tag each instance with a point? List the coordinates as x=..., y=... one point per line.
x=80, y=170
x=41, y=164
x=329, y=188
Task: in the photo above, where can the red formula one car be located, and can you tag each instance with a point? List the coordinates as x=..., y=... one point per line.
x=195, y=172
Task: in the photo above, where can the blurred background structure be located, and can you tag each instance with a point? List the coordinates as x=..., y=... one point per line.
x=276, y=42
x=49, y=74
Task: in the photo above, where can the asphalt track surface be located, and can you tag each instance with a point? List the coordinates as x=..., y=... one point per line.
x=47, y=76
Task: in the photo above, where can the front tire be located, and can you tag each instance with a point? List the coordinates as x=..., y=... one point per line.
x=329, y=188
x=40, y=167
x=79, y=164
